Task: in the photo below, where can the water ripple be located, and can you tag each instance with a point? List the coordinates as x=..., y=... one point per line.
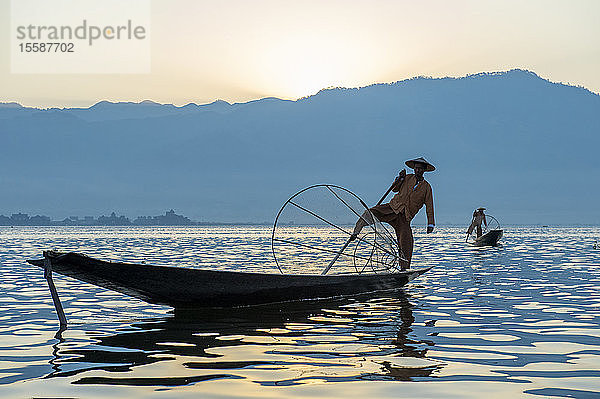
x=525, y=316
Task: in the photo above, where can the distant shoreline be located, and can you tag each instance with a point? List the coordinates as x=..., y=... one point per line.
x=416, y=227
x=171, y=219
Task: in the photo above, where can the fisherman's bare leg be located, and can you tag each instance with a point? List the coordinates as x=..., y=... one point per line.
x=479, y=232
x=471, y=228
x=405, y=239
x=366, y=219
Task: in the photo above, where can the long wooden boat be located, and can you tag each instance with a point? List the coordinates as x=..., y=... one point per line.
x=187, y=288
x=490, y=238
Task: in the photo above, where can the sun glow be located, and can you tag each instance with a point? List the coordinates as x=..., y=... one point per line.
x=297, y=66
x=241, y=50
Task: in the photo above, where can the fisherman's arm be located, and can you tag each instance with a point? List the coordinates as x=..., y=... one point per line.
x=399, y=181
x=429, y=210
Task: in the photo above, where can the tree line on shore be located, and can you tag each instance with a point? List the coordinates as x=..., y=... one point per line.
x=170, y=218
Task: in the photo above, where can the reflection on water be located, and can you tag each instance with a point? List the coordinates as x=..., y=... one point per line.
x=339, y=340
x=524, y=317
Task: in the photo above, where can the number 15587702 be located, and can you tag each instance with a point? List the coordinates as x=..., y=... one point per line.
x=48, y=47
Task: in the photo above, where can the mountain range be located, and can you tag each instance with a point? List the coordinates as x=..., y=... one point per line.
x=522, y=146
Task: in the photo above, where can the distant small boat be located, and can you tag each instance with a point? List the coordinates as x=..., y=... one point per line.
x=492, y=233
x=490, y=238
x=181, y=287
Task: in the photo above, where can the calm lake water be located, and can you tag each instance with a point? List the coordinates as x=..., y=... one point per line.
x=522, y=320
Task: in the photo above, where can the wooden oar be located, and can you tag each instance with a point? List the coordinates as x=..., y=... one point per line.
x=351, y=238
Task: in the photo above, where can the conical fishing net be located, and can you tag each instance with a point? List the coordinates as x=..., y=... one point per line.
x=312, y=231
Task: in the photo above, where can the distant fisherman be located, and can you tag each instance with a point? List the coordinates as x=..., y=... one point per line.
x=478, y=218
x=413, y=191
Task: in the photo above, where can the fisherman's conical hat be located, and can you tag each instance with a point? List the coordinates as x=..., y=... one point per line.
x=428, y=167
x=481, y=209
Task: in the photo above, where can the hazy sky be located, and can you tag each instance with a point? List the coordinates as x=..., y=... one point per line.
x=239, y=50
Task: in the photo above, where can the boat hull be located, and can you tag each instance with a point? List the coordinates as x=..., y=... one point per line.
x=490, y=238
x=184, y=287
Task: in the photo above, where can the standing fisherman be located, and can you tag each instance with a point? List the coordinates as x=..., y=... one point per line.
x=413, y=191
x=478, y=218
